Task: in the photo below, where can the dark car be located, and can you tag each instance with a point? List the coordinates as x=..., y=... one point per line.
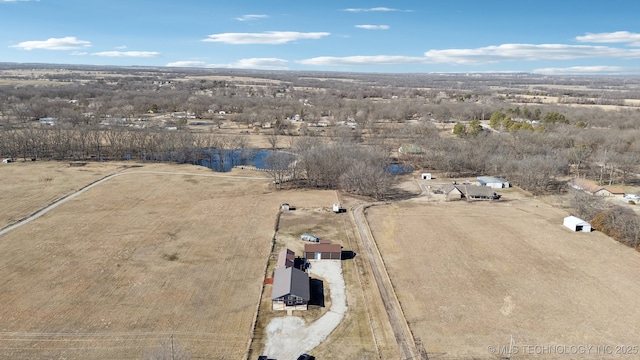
x=306, y=357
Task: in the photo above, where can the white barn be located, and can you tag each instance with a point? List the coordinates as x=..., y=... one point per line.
x=492, y=182
x=576, y=224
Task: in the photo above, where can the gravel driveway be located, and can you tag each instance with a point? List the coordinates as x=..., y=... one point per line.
x=289, y=336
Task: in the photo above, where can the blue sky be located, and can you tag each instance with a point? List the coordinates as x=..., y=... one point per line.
x=547, y=37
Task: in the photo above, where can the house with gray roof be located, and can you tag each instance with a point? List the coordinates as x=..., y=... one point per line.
x=290, y=289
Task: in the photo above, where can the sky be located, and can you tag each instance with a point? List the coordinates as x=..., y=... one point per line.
x=559, y=37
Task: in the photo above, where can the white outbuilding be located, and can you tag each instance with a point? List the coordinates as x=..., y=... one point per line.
x=576, y=224
x=426, y=176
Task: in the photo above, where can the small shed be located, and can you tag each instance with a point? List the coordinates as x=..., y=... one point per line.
x=7, y=160
x=426, y=176
x=338, y=209
x=284, y=207
x=576, y=224
x=323, y=251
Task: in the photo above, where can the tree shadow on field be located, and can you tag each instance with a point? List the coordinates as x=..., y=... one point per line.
x=399, y=194
x=316, y=292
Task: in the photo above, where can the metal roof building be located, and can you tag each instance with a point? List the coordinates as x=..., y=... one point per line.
x=323, y=251
x=286, y=258
x=290, y=289
x=576, y=224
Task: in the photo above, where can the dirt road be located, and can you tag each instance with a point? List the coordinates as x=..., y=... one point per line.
x=401, y=331
x=106, y=178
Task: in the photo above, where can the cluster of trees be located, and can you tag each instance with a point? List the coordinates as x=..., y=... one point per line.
x=618, y=222
x=85, y=142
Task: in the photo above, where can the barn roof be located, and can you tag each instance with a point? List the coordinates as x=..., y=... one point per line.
x=286, y=258
x=322, y=247
x=290, y=281
x=476, y=191
x=490, y=179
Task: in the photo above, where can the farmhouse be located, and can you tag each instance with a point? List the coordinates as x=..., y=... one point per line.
x=286, y=258
x=469, y=192
x=592, y=188
x=323, y=251
x=576, y=224
x=473, y=192
x=492, y=182
x=452, y=192
x=426, y=176
x=290, y=289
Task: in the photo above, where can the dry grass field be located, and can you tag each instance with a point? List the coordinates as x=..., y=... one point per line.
x=28, y=186
x=136, y=261
x=471, y=275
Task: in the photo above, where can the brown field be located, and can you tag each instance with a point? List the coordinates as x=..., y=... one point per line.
x=137, y=260
x=471, y=275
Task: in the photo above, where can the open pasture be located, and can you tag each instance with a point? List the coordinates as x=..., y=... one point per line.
x=157, y=255
x=471, y=275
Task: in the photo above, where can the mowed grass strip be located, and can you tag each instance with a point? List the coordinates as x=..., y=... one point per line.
x=119, y=269
x=470, y=276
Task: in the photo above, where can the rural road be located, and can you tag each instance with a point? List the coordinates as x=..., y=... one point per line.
x=401, y=330
x=104, y=179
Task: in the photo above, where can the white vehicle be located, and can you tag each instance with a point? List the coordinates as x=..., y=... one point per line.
x=631, y=197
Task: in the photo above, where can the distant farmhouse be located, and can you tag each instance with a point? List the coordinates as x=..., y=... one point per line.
x=592, y=188
x=469, y=192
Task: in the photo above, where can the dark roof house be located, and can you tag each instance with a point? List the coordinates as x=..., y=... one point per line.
x=290, y=289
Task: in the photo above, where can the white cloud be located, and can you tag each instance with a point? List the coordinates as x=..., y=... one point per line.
x=373, y=27
x=143, y=54
x=586, y=70
x=65, y=43
x=630, y=38
x=363, y=60
x=269, y=37
x=251, y=17
x=526, y=52
x=383, y=9
x=187, y=63
x=252, y=63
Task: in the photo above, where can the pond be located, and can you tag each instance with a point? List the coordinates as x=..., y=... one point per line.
x=234, y=158
x=257, y=157
x=397, y=169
